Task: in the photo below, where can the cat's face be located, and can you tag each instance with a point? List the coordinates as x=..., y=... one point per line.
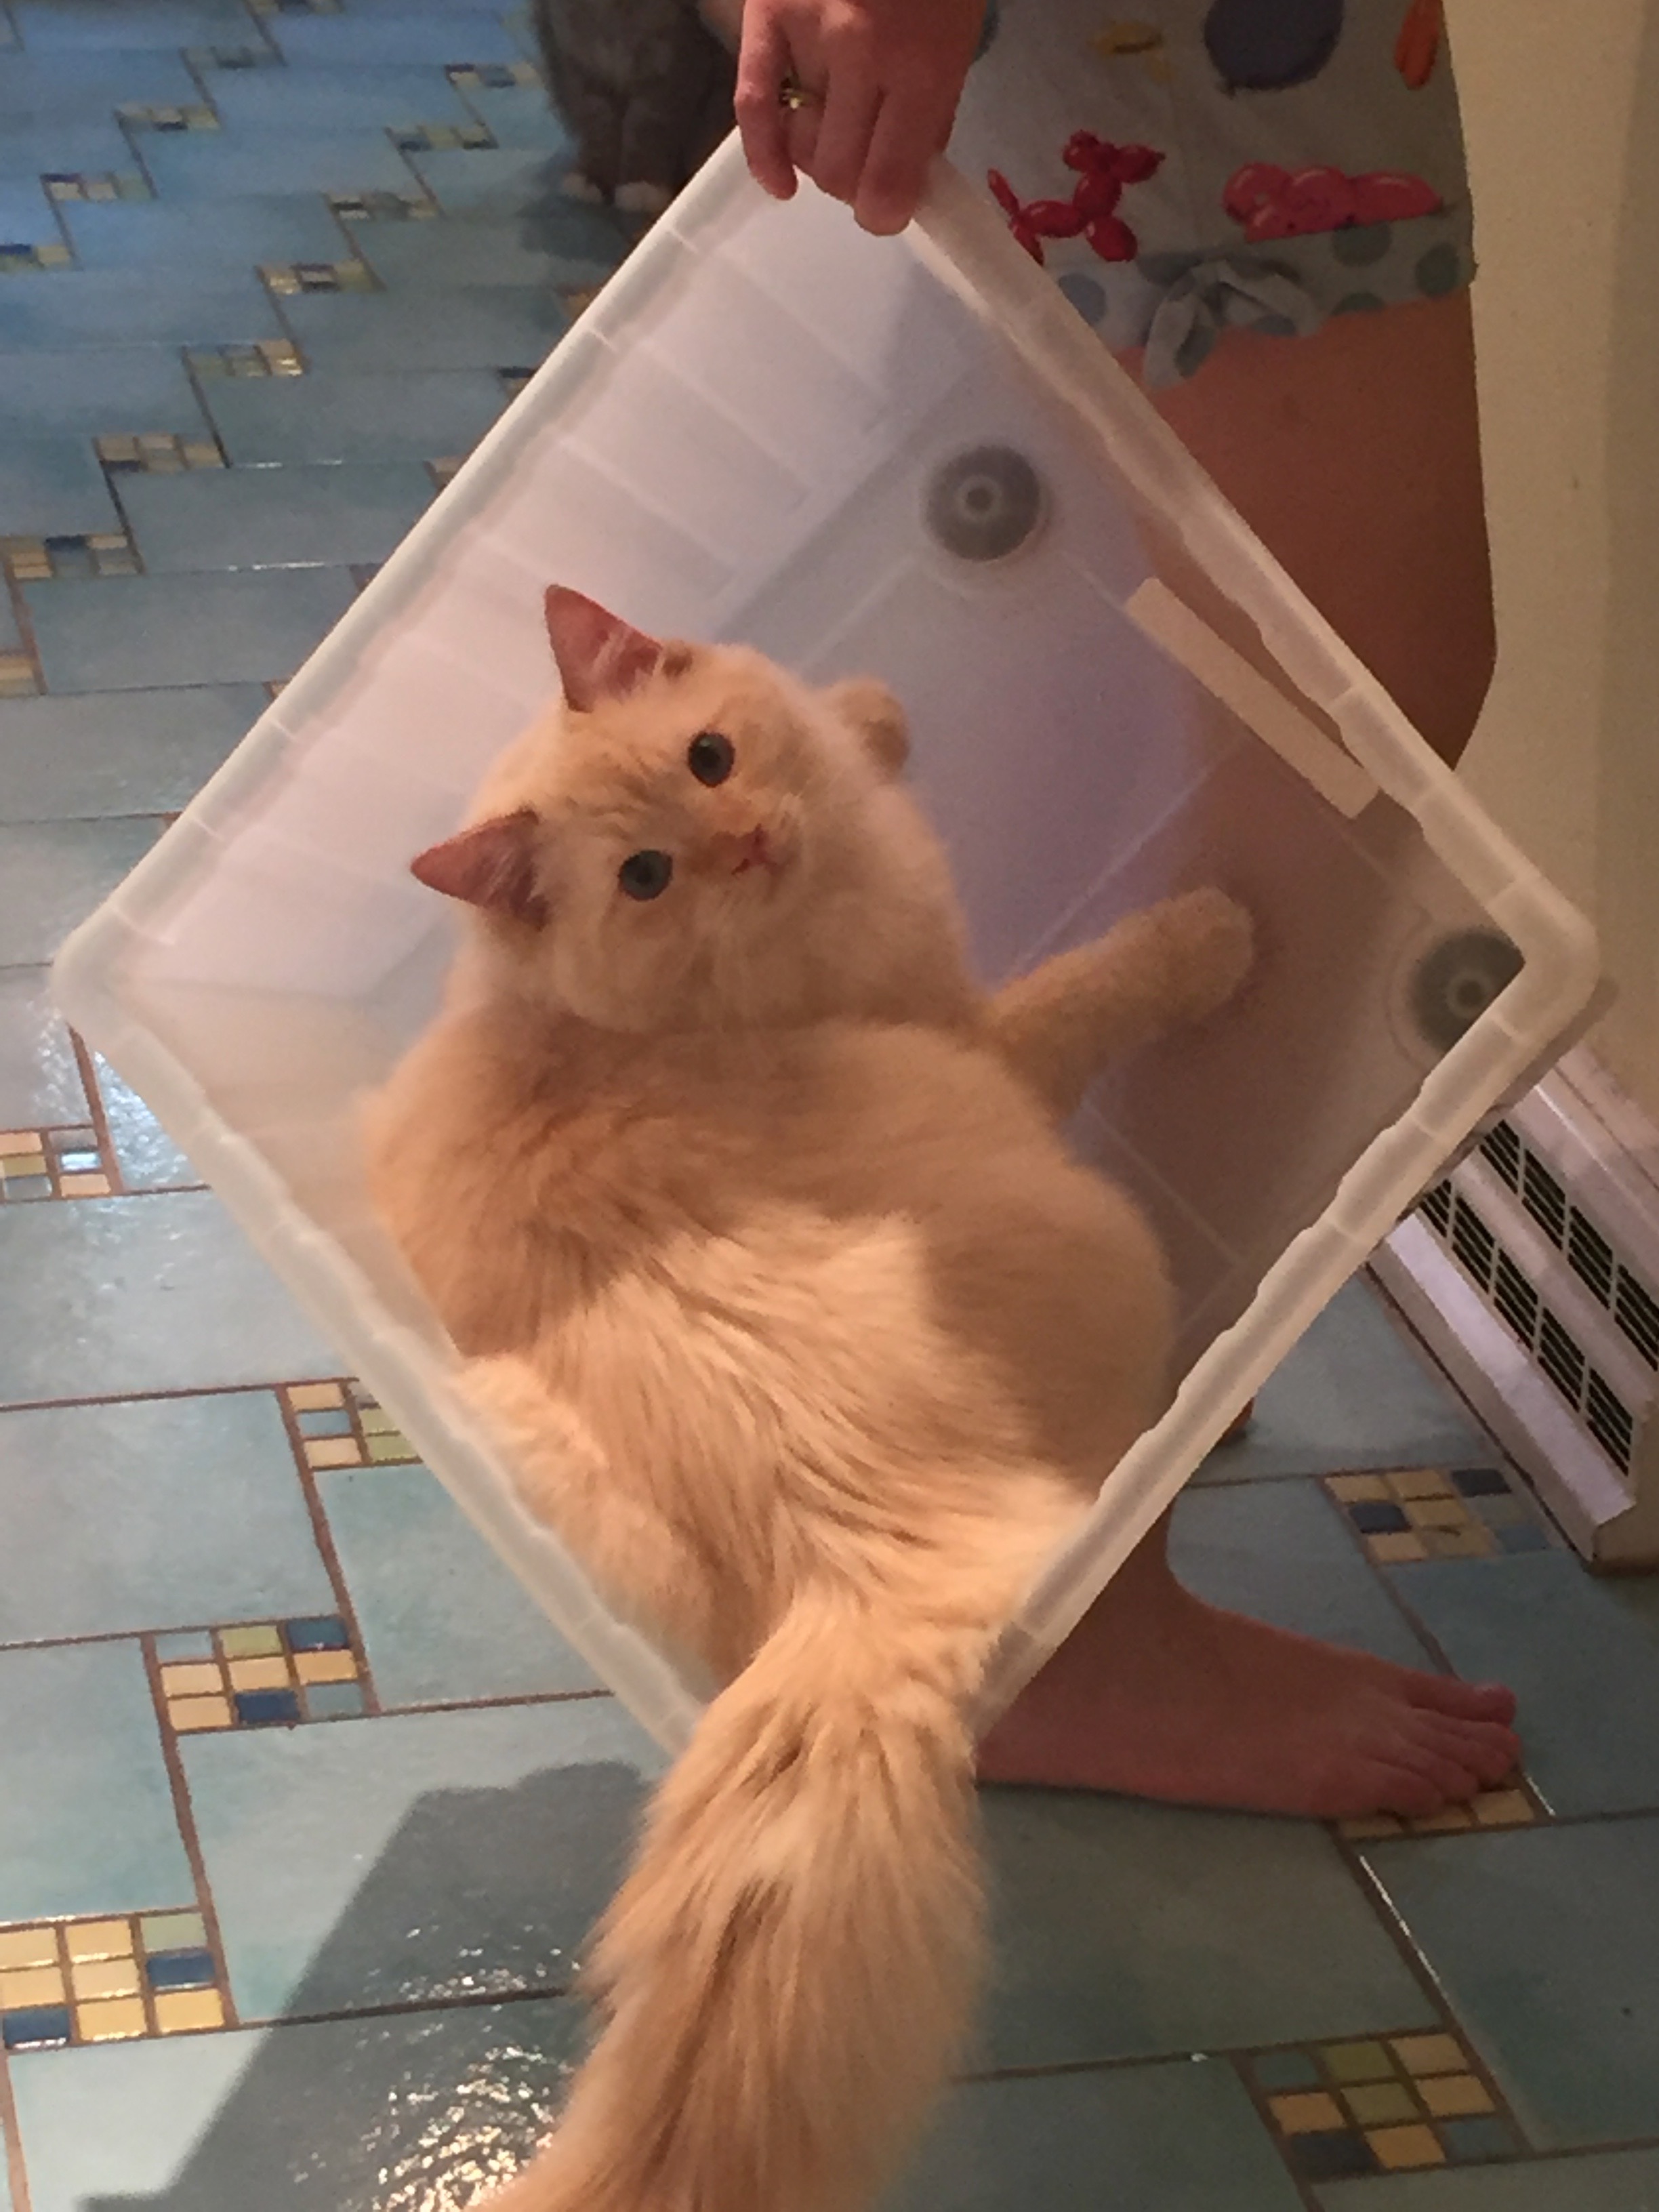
x=695, y=840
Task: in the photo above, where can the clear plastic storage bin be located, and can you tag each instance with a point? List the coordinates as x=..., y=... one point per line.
x=911, y=458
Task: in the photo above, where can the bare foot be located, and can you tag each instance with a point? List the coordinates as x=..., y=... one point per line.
x=1158, y=1695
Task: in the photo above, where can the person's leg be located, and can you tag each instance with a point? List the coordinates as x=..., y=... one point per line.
x=1354, y=453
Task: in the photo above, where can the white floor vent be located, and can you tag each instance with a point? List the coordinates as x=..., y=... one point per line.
x=1532, y=1272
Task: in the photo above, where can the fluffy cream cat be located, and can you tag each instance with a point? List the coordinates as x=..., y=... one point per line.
x=800, y=1322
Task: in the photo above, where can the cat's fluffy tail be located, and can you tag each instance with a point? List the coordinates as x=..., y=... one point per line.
x=787, y=1972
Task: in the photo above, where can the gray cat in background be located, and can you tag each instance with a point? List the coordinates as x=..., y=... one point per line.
x=646, y=88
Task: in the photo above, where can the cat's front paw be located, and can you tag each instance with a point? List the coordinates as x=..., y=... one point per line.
x=577, y=187
x=1209, y=939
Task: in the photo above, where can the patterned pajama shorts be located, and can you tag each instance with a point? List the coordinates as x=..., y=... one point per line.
x=1209, y=164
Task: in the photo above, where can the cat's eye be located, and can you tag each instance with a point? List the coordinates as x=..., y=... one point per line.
x=646, y=875
x=710, y=757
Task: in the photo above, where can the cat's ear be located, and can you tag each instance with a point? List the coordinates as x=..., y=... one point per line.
x=877, y=715
x=599, y=655
x=491, y=864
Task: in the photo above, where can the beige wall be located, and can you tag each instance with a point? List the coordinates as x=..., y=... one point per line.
x=1561, y=112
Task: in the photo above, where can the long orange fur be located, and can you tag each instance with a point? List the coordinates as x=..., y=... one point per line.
x=752, y=1217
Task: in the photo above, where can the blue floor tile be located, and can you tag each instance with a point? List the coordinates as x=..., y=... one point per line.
x=39, y=1081
x=324, y=417
x=275, y=518
x=48, y=86
x=1285, y=1557
x=417, y=1858
x=25, y=216
x=51, y=486
x=314, y=101
x=140, y=633
x=52, y=25
x=441, y=36
x=1547, y=1943
x=442, y=1619
x=208, y=164
x=1130, y=1931
x=152, y=1514
x=418, y=2111
x=121, y=1296
x=1353, y=1394
x=456, y=254
x=1569, y=1646
x=87, y=1822
x=90, y=145
x=1608, y=2181
x=505, y=327
x=231, y=234
x=506, y=178
x=148, y=1158
x=522, y=115
x=70, y=308
x=96, y=389
x=1181, y=2138
x=123, y=752
x=56, y=872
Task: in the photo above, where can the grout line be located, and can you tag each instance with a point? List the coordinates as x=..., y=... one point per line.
x=185, y=1813
x=99, y=1116
x=14, y=2168
x=323, y=1535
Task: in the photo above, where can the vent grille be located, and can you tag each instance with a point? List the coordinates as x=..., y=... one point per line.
x=1545, y=1335
x=1589, y=1253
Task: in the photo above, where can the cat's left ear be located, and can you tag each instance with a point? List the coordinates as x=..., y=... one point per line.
x=492, y=866
x=599, y=655
x=877, y=717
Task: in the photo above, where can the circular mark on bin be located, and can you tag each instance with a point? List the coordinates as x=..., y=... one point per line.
x=1438, y=271
x=1357, y=245
x=984, y=504
x=1455, y=983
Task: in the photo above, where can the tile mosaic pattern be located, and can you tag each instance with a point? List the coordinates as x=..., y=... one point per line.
x=1438, y=1513
x=1382, y=2104
x=305, y=1811
x=270, y=1674
x=80, y=1982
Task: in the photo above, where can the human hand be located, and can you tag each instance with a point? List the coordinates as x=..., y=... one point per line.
x=879, y=81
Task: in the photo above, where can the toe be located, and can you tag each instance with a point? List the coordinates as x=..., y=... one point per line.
x=1469, y=1701
x=1491, y=1752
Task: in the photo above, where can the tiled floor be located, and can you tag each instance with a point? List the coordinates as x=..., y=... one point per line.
x=303, y=1812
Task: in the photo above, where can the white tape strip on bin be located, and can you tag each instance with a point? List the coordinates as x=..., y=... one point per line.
x=1160, y=615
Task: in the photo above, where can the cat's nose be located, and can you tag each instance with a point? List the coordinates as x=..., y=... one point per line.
x=752, y=849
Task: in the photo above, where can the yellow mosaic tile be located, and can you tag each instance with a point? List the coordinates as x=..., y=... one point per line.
x=1456, y=2096
x=1473, y=1541
x=1368, y=1830
x=325, y=1666
x=257, y=1642
x=27, y=1946
x=1449, y=1821
x=1423, y=1482
x=332, y=1451
x=179, y=2011
x=190, y=1715
x=1357, y=2062
x=377, y=1422
x=314, y=1397
x=392, y=1445
x=17, y=1140
x=1379, y=2103
x=1358, y=1489
x=99, y=1939
x=17, y=679
x=191, y=1678
x=104, y=1977
x=113, y=2019
x=31, y=1985
x=1503, y=1808
x=1305, y=2112
x=84, y=1186
x=1396, y=1548
x=1400, y=2150
x=258, y=1673
x=1430, y=2054
x=1436, y=1512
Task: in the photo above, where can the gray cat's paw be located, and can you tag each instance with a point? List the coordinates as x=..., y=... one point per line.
x=576, y=186
x=641, y=198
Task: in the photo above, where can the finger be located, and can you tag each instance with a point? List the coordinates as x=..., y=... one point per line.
x=802, y=126
x=762, y=65
x=905, y=139
x=850, y=111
